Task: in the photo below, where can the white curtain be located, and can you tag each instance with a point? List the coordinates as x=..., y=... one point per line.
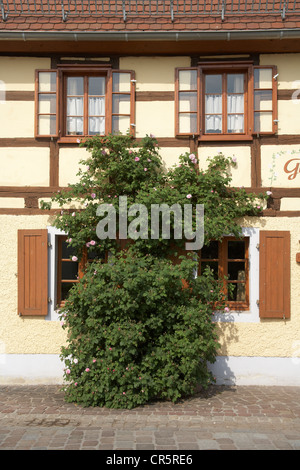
x=235, y=103
x=97, y=111
x=213, y=111
x=235, y=111
x=75, y=115
x=75, y=108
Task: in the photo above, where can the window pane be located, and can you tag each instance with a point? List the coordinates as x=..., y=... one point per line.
x=235, y=123
x=213, y=104
x=97, y=106
x=75, y=106
x=263, y=122
x=96, y=85
x=47, y=104
x=238, y=292
x=235, y=104
x=213, y=84
x=236, y=271
x=235, y=83
x=213, y=124
x=188, y=80
x=188, y=101
x=236, y=250
x=95, y=255
x=213, y=265
x=47, y=81
x=75, y=85
x=74, y=126
x=121, y=104
x=211, y=251
x=65, y=288
x=69, y=270
x=121, y=82
x=188, y=123
x=67, y=251
x=263, y=78
x=120, y=124
x=263, y=100
x=96, y=125
x=47, y=125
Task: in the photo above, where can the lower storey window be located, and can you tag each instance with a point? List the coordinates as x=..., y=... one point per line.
x=229, y=260
x=68, y=270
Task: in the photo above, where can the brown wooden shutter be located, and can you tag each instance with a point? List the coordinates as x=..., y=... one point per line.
x=32, y=272
x=274, y=274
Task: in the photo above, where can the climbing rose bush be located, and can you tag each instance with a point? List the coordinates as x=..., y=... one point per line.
x=140, y=328
x=138, y=333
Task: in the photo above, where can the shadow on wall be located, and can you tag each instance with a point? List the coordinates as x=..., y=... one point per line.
x=221, y=369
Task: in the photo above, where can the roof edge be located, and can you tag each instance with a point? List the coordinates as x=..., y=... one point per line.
x=230, y=35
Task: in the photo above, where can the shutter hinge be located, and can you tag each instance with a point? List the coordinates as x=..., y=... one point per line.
x=49, y=244
x=257, y=303
x=133, y=81
x=257, y=246
x=49, y=300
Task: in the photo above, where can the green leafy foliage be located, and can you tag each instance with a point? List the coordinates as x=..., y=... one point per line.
x=140, y=326
x=137, y=334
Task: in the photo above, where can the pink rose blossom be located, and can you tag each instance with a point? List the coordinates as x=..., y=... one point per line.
x=189, y=196
x=87, y=369
x=137, y=159
x=145, y=169
x=94, y=360
x=92, y=242
x=226, y=309
x=269, y=193
x=68, y=371
x=93, y=195
x=74, y=258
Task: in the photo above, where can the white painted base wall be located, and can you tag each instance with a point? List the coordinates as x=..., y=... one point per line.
x=48, y=369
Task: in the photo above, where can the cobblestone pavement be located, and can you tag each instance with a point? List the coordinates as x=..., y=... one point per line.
x=224, y=418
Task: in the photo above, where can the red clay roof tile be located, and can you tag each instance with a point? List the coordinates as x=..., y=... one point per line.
x=189, y=15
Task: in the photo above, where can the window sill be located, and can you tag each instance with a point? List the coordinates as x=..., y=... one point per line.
x=227, y=137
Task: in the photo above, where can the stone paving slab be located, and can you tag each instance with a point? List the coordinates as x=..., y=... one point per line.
x=223, y=418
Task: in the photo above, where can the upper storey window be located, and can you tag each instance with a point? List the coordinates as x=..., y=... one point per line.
x=74, y=102
x=226, y=101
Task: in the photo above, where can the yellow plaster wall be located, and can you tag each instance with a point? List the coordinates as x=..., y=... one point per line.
x=288, y=116
x=273, y=160
x=22, y=335
x=288, y=67
x=155, y=117
x=241, y=174
x=11, y=202
x=69, y=165
x=154, y=73
x=24, y=166
x=18, y=73
x=270, y=338
x=290, y=204
x=170, y=155
x=16, y=119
